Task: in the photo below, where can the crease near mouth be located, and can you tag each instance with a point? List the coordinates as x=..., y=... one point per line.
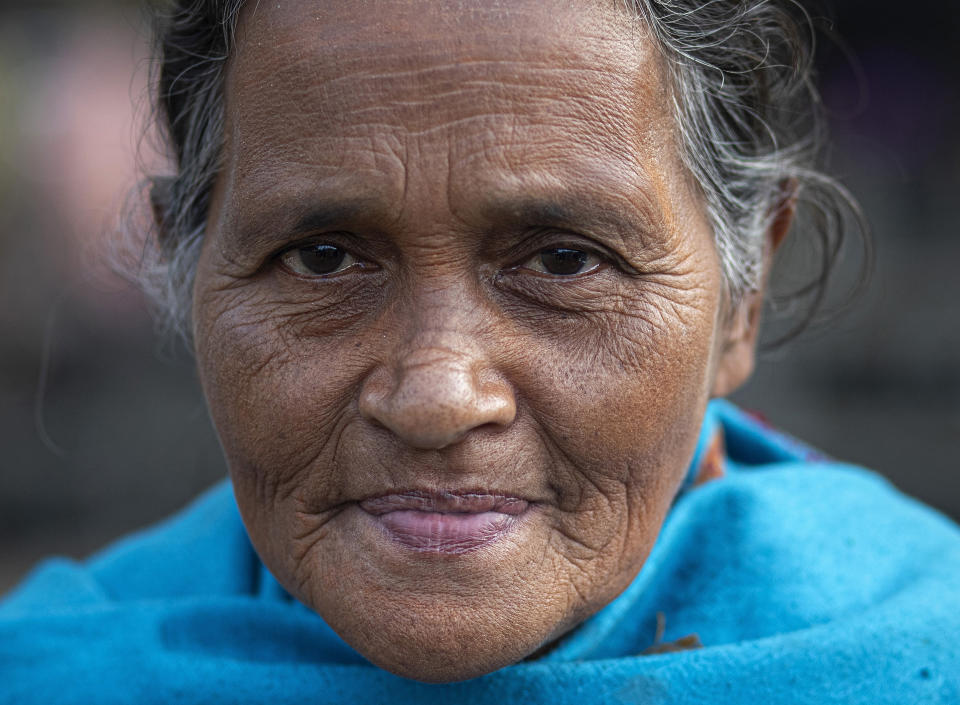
x=445, y=502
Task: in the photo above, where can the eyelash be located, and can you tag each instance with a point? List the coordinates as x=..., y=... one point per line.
x=566, y=254
x=288, y=258
x=599, y=260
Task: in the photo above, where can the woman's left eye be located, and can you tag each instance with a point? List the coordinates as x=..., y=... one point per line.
x=563, y=261
x=317, y=259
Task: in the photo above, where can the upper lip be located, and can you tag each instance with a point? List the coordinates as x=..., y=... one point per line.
x=444, y=501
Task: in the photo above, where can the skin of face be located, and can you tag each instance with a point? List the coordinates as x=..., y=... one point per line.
x=442, y=148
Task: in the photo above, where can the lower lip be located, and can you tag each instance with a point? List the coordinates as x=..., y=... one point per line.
x=450, y=533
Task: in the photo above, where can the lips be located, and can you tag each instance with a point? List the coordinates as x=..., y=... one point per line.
x=445, y=522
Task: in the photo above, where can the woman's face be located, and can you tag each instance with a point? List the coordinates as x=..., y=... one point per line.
x=458, y=314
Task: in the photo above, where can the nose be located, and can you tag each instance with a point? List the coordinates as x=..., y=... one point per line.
x=434, y=396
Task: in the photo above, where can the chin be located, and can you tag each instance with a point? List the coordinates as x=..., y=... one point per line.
x=443, y=668
x=443, y=639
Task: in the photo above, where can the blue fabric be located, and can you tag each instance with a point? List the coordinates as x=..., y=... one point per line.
x=807, y=582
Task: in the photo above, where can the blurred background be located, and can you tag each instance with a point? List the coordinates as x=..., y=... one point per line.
x=102, y=426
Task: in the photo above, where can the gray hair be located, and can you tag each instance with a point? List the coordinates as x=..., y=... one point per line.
x=745, y=105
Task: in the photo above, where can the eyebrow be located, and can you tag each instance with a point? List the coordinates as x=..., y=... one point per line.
x=578, y=211
x=292, y=220
x=303, y=216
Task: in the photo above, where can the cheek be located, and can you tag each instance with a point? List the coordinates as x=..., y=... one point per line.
x=629, y=383
x=278, y=392
x=632, y=373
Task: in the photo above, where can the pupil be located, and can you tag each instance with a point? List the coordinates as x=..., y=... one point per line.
x=322, y=259
x=561, y=260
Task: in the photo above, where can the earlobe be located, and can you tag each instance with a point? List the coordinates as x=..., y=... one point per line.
x=738, y=352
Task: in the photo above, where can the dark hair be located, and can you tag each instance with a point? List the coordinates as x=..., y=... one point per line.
x=744, y=101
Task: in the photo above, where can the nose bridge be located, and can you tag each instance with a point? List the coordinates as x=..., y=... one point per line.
x=442, y=326
x=439, y=382
x=434, y=354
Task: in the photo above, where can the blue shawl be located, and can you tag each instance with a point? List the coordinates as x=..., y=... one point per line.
x=806, y=581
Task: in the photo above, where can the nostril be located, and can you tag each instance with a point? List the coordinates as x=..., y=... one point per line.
x=488, y=428
x=496, y=404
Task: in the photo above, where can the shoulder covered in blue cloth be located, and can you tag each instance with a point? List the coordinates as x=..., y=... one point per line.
x=805, y=581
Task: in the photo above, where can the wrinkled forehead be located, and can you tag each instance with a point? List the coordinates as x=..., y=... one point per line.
x=470, y=29
x=337, y=56
x=346, y=87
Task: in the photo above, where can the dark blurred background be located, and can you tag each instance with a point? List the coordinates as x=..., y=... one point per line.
x=102, y=427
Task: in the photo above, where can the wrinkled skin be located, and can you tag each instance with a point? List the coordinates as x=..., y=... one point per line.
x=444, y=147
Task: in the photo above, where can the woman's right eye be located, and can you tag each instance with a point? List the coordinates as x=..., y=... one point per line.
x=317, y=259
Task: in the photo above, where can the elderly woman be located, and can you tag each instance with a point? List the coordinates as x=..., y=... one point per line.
x=462, y=280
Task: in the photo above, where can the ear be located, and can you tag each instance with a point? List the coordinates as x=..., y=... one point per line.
x=739, y=347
